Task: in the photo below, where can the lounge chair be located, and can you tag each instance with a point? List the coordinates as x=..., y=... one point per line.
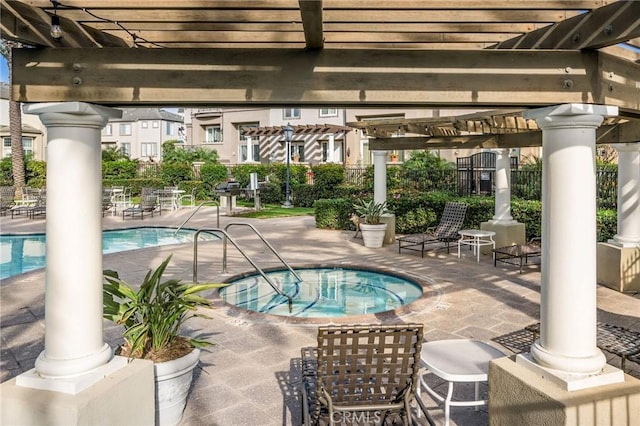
x=107, y=202
x=6, y=199
x=368, y=371
x=32, y=208
x=522, y=252
x=445, y=233
x=148, y=203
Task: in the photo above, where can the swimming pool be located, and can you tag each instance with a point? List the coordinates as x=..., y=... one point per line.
x=21, y=253
x=324, y=292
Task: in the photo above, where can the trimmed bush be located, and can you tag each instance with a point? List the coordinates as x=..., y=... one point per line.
x=333, y=213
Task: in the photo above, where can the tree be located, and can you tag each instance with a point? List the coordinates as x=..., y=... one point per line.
x=15, y=125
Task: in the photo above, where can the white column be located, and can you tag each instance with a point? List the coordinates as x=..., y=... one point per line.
x=330, y=149
x=379, y=176
x=568, y=284
x=74, y=342
x=628, y=232
x=503, y=188
x=249, y=150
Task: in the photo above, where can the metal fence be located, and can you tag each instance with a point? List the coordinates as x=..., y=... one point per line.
x=525, y=184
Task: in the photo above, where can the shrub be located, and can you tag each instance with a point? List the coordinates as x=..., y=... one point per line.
x=333, y=213
x=173, y=174
x=6, y=172
x=326, y=177
x=36, y=173
x=120, y=169
x=212, y=174
x=606, y=224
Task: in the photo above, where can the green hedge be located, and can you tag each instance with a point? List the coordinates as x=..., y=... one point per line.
x=415, y=212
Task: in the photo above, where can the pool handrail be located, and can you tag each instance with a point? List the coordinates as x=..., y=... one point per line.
x=242, y=252
x=196, y=211
x=255, y=230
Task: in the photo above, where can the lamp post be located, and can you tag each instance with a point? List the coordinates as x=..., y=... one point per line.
x=288, y=134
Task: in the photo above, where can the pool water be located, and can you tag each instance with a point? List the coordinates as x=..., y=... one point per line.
x=23, y=253
x=324, y=292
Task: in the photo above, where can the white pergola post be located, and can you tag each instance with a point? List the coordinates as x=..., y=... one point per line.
x=502, y=188
x=249, y=150
x=331, y=149
x=379, y=176
x=628, y=232
x=74, y=342
x=567, y=340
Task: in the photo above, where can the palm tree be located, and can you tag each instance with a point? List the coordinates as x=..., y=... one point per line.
x=15, y=125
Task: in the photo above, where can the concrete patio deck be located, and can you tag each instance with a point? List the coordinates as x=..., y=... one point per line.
x=251, y=375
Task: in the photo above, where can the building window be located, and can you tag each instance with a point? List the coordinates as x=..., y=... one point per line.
x=155, y=124
x=108, y=130
x=243, y=152
x=6, y=147
x=144, y=124
x=328, y=112
x=291, y=113
x=297, y=151
x=125, y=129
x=149, y=149
x=27, y=146
x=213, y=134
x=169, y=128
x=126, y=148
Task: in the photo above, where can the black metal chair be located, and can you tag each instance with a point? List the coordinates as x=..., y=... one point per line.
x=368, y=371
x=445, y=233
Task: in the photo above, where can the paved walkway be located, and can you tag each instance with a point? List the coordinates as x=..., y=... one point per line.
x=250, y=376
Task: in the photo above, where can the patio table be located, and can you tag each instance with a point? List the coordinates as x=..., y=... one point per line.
x=456, y=361
x=476, y=238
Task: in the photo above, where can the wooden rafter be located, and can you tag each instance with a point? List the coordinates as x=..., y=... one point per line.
x=611, y=24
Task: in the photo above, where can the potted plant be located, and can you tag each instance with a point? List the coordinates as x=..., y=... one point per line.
x=152, y=317
x=371, y=226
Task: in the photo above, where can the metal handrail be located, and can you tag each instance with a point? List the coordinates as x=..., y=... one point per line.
x=242, y=252
x=196, y=211
x=224, y=249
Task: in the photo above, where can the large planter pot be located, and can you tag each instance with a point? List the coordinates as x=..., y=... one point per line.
x=173, y=380
x=373, y=235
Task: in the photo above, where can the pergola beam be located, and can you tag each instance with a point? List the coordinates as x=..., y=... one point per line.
x=403, y=78
x=608, y=25
x=311, y=12
x=628, y=132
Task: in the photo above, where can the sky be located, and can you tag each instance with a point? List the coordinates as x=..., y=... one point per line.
x=4, y=71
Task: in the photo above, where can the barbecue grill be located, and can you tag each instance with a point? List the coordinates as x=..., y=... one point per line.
x=228, y=189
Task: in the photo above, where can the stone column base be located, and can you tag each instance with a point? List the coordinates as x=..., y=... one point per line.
x=518, y=396
x=126, y=397
x=618, y=267
x=390, y=234
x=506, y=234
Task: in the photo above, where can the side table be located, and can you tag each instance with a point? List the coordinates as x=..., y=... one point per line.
x=476, y=238
x=456, y=360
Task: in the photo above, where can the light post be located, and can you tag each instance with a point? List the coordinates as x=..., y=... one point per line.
x=288, y=134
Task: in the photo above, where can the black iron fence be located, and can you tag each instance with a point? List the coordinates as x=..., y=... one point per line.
x=525, y=184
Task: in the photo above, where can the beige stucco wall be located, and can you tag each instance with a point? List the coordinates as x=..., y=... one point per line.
x=517, y=396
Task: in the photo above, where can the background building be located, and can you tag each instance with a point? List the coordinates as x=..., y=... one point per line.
x=141, y=132
x=34, y=134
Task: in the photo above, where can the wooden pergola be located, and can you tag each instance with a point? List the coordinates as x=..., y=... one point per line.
x=502, y=56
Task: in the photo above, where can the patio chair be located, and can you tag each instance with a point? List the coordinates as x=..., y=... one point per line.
x=446, y=232
x=364, y=371
x=191, y=198
x=6, y=199
x=107, y=202
x=521, y=252
x=148, y=203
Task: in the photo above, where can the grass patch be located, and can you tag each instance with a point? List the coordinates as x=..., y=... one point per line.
x=271, y=210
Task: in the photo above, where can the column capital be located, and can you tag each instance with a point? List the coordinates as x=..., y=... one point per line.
x=379, y=153
x=571, y=115
x=626, y=147
x=74, y=114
